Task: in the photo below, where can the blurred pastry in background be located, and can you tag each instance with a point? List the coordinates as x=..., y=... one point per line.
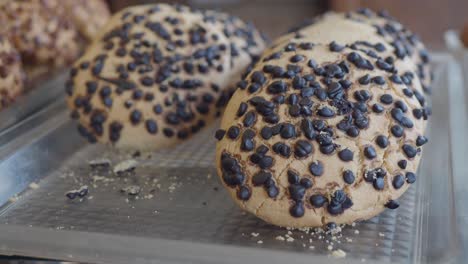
x=464, y=35
x=11, y=73
x=42, y=32
x=157, y=74
x=50, y=34
x=88, y=15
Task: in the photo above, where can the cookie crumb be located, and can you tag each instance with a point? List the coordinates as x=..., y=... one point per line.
x=125, y=166
x=255, y=234
x=338, y=253
x=260, y=242
x=34, y=185
x=280, y=238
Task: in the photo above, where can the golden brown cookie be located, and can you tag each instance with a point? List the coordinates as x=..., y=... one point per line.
x=321, y=133
x=155, y=75
x=11, y=73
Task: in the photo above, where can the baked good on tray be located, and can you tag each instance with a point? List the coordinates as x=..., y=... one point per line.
x=11, y=73
x=156, y=74
x=322, y=132
x=374, y=32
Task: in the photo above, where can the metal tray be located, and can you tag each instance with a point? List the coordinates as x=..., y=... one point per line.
x=182, y=213
x=38, y=95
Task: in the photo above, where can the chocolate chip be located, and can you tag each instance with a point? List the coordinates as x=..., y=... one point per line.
x=346, y=155
x=316, y=168
x=377, y=108
x=296, y=58
x=282, y=149
x=348, y=177
x=378, y=80
x=272, y=191
x=233, y=132
x=243, y=193
x=260, y=178
x=398, y=181
x=370, y=152
x=266, y=162
x=258, y=77
x=288, y=131
x=364, y=80
x=402, y=164
x=306, y=183
x=277, y=87
x=362, y=95
x=401, y=106
x=396, y=79
x=326, y=112
x=302, y=148
x=409, y=151
x=135, y=117
x=336, y=47
x=386, y=99
x=392, y=204
x=408, y=92
x=318, y=200
x=242, y=109
x=397, y=131
x=410, y=177
x=296, y=192
x=421, y=140
x=293, y=178
x=378, y=183
x=250, y=119
x=382, y=141
x=297, y=210
x=352, y=131
x=308, y=129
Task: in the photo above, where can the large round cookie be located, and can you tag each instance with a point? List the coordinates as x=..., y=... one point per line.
x=88, y=15
x=376, y=33
x=41, y=32
x=316, y=134
x=155, y=75
x=11, y=73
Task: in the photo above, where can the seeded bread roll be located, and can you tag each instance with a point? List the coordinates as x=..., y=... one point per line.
x=376, y=33
x=42, y=33
x=11, y=74
x=155, y=75
x=88, y=15
x=314, y=136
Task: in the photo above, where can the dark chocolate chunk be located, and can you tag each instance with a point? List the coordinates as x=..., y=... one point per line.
x=316, y=168
x=318, y=200
x=346, y=155
x=348, y=177
x=398, y=181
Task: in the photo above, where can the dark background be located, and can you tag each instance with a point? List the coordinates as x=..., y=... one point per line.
x=429, y=18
